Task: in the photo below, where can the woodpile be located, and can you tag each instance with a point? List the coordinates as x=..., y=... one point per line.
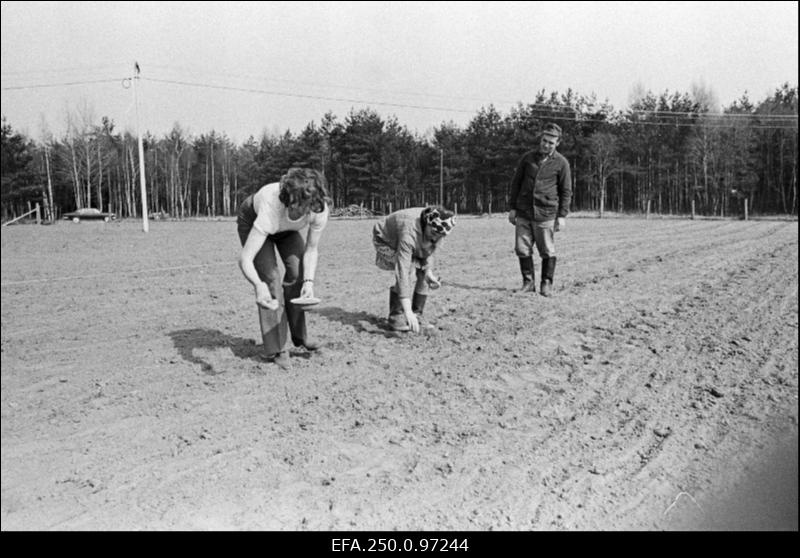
x=351, y=211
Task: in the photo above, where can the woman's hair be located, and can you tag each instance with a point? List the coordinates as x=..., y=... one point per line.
x=437, y=218
x=299, y=186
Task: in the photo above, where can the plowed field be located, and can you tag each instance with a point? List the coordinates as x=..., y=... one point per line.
x=639, y=396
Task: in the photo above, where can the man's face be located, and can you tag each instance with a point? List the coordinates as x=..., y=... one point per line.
x=548, y=144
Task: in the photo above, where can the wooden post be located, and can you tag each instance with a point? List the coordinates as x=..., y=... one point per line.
x=23, y=215
x=39, y=216
x=455, y=207
x=745, y=209
x=441, y=177
x=145, y=222
x=692, y=209
x=647, y=216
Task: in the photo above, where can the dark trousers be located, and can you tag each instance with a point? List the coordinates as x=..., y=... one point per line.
x=288, y=318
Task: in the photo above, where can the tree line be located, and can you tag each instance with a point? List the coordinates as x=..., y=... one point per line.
x=670, y=153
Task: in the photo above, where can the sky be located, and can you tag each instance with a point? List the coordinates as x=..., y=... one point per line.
x=246, y=68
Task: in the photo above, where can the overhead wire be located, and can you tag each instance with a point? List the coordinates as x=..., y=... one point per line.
x=544, y=108
x=548, y=106
x=61, y=84
x=590, y=113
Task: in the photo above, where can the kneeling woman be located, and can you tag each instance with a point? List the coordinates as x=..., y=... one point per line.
x=404, y=243
x=271, y=219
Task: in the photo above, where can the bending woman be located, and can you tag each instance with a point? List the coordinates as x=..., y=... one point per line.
x=271, y=220
x=405, y=242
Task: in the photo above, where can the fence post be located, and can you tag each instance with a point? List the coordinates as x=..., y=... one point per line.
x=745, y=209
x=648, y=210
x=39, y=216
x=693, y=210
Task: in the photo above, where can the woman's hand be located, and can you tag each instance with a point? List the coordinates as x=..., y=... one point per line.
x=264, y=297
x=432, y=280
x=412, y=320
x=308, y=290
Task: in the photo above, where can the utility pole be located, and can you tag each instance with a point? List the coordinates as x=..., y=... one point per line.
x=441, y=177
x=145, y=224
x=50, y=211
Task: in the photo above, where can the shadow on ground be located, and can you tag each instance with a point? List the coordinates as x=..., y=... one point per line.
x=187, y=341
x=360, y=321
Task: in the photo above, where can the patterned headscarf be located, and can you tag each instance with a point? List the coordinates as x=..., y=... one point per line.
x=433, y=219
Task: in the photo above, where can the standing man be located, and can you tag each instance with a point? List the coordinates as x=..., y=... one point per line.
x=541, y=192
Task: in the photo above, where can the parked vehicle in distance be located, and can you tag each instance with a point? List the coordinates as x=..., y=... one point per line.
x=89, y=213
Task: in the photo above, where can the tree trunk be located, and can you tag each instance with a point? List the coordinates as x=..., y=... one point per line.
x=75, y=178
x=213, y=184
x=226, y=181
x=89, y=173
x=207, y=202
x=99, y=177
x=153, y=201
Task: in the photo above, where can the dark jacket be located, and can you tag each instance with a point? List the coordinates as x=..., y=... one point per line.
x=541, y=191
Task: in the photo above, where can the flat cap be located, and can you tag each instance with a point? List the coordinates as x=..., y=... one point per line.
x=552, y=130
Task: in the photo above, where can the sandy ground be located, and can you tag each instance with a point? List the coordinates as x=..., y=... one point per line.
x=657, y=390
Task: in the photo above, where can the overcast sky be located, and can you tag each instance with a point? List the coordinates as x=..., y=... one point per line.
x=243, y=68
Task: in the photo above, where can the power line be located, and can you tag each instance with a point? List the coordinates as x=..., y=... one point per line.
x=301, y=96
x=336, y=86
x=62, y=70
x=401, y=105
x=62, y=84
x=764, y=118
x=709, y=120
x=665, y=113
x=566, y=108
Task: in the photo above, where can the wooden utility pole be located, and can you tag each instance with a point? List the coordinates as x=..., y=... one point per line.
x=50, y=212
x=145, y=223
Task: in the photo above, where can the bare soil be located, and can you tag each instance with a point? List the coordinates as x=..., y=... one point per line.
x=639, y=397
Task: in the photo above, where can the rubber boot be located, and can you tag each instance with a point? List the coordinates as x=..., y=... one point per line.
x=528, y=275
x=418, y=303
x=548, y=271
x=397, y=319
